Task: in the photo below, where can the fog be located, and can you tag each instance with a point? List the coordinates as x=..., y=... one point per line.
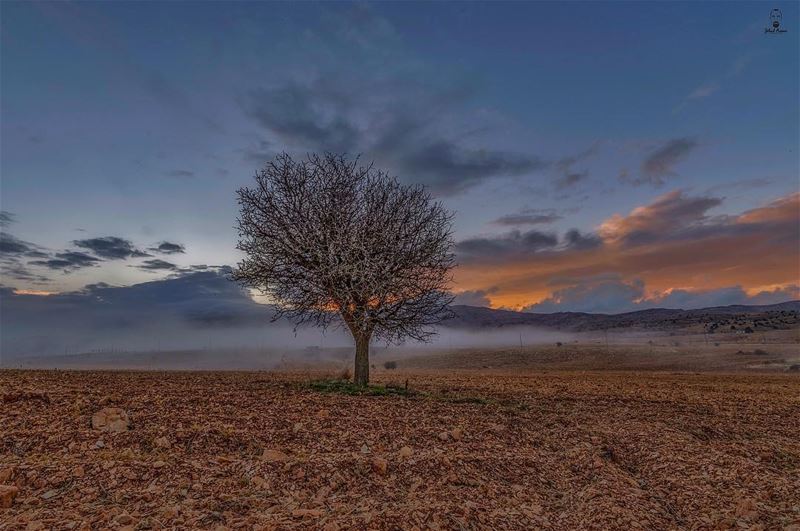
x=196, y=320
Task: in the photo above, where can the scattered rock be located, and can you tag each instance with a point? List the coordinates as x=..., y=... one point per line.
x=323, y=414
x=49, y=494
x=746, y=508
x=162, y=442
x=7, y=495
x=380, y=466
x=123, y=519
x=303, y=513
x=405, y=451
x=444, y=436
x=111, y=419
x=159, y=464
x=457, y=433
x=6, y=474
x=274, y=456
x=364, y=449
x=258, y=482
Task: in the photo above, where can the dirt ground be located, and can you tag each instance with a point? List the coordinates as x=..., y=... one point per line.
x=467, y=449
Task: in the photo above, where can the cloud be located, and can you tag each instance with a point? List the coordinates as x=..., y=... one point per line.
x=111, y=247
x=575, y=239
x=703, y=91
x=604, y=296
x=394, y=124
x=514, y=244
x=618, y=296
x=11, y=246
x=567, y=176
x=68, y=261
x=569, y=180
x=674, y=243
x=529, y=216
x=379, y=101
x=661, y=162
x=6, y=218
x=168, y=248
x=157, y=265
x=13, y=269
x=666, y=217
x=474, y=298
x=710, y=88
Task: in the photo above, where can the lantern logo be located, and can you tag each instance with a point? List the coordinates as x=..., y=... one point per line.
x=775, y=20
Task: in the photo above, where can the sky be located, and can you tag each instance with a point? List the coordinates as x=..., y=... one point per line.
x=599, y=157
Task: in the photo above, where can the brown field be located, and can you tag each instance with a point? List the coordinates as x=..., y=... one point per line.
x=515, y=445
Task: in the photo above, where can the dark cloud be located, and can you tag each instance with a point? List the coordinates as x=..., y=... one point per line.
x=569, y=180
x=514, y=244
x=567, y=176
x=411, y=124
x=11, y=246
x=317, y=115
x=661, y=162
x=575, y=239
x=68, y=261
x=529, y=216
x=111, y=247
x=603, y=296
x=449, y=168
x=15, y=270
x=479, y=297
x=168, y=248
x=6, y=218
x=180, y=173
x=610, y=295
x=168, y=313
x=157, y=265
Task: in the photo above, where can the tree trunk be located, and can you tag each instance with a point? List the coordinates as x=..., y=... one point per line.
x=361, y=374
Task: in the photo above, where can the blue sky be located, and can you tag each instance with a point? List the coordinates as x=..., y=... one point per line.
x=138, y=121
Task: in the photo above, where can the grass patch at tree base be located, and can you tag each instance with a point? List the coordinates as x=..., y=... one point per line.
x=346, y=387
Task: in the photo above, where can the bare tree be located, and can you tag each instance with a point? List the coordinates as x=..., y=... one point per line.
x=330, y=241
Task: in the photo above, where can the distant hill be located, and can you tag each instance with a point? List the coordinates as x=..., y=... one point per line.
x=756, y=318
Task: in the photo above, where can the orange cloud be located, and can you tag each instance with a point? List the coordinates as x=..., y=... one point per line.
x=37, y=292
x=672, y=243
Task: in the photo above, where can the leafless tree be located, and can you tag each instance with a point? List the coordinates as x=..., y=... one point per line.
x=332, y=242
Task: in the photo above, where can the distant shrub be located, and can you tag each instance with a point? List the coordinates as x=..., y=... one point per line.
x=795, y=367
x=390, y=365
x=760, y=352
x=559, y=343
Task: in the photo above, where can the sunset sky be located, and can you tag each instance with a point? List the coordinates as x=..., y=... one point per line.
x=598, y=156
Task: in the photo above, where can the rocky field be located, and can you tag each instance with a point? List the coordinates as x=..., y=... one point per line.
x=459, y=450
